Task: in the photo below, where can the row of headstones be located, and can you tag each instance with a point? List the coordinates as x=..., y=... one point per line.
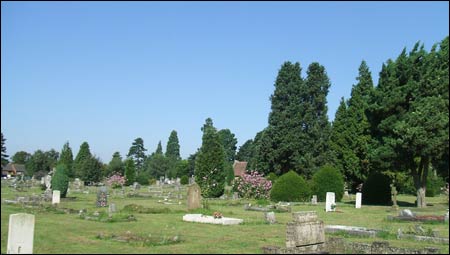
x=330, y=203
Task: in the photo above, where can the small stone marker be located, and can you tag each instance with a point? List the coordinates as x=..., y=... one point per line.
x=193, y=197
x=358, y=200
x=314, y=200
x=20, y=233
x=270, y=217
x=329, y=201
x=56, y=197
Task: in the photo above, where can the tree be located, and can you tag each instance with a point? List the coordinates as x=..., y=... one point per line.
x=116, y=165
x=229, y=142
x=173, y=146
x=351, y=133
x=209, y=165
x=298, y=133
x=137, y=153
x=159, y=149
x=158, y=165
x=66, y=158
x=130, y=171
x=83, y=155
x=409, y=114
x=92, y=170
x=246, y=151
x=4, y=155
x=21, y=157
x=40, y=163
x=60, y=180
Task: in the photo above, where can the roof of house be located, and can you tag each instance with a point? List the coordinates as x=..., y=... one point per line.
x=239, y=167
x=14, y=167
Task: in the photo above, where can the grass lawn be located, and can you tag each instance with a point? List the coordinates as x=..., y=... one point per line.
x=67, y=233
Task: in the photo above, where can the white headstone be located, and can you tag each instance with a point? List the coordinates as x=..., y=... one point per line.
x=314, y=200
x=358, y=200
x=329, y=201
x=20, y=233
x=56, y=196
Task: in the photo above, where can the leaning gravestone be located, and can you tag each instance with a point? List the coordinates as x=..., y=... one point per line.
x=193, y=196
x=358, y=200
x=102, y=197
x=20, y=233
x=56, y=197
x=330, y=200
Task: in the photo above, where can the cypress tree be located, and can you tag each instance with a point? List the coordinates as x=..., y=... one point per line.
x=84, y=154
x=173, y=146
x=4, y=155
x=159, y=149
x=116, y=165
x=66, y=158
x=229, y=142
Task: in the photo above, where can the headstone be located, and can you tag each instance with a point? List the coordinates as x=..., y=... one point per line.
x=358, y=200
x=446, y=216
x=102, y=197
x=330, y=200
x=270, y=217
x=314, y=200
x=406, y=213
x=235, y=195
x=305, y=232
x=191, y=180
x=158, y=183
x=42, y=180
x=136, y=186
x=193, y=196
x=56, y=197
x=112, y=209
x=394, y=196
x=48, y=181
x=20, y=233
x=346, y=194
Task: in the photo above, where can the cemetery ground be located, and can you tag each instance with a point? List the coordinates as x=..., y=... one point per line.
x=59, y=232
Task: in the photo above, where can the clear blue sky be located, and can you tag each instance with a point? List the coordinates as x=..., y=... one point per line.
x=109, y=72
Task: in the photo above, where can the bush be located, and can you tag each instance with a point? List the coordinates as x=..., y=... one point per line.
x=376, y=190
x=328, y=179
x=143, y=178
x=184, y=180
x=252, y=185
x=230, y=173
x=115, y=181
x=272, y=177
x=290, y=187
x=434, y=185
x=60, y=180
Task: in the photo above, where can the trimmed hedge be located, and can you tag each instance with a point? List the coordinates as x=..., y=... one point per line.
x=184, y=180
x=272, y=177
x=290, y=187
x=328, y=179
x=376, y=190
x=60, y=180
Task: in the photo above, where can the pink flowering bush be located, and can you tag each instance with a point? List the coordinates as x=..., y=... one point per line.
x=252, y=185
x=115, y=181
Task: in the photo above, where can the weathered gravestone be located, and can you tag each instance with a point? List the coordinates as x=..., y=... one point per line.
x=314, y=200
x=330, y=202
x=20, y=234
x=358, y=200
x=136, y=186
x=235, y=195
x=112, y=209
x=56, y=197
x=305, y=233
x=270, y=217
x=102, y=197
x=193, y=196
x=394, y=197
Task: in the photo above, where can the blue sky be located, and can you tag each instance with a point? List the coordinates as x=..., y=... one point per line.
x=109, y=72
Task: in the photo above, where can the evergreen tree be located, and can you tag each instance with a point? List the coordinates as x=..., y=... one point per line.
x=137, y=153
x=246, y=151
x=116, y=165
x=229, y=142
x=209, y=166
x=37, y=165
x=66, y=158
x=159, y=165
x=60, y=180
x=173, y=146
x=130, y=171
x=5, y=160
x=21, y=157
x=84, y=154
x=92, y=170
x=159, y=149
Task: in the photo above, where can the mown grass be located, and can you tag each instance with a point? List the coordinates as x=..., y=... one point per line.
x=67, y=233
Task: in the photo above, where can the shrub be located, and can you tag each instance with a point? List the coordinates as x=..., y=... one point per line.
x=328, y=179
x=115, y=181
x=230, y=173
x=290, y=187
x=376, y=190
x=60, y=180
x=143, y=178
x=252, y=185
x=434, y=185
x=184, y=180
x=272, y=177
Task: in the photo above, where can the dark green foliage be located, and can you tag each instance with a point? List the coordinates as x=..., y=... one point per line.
x=84, y=154
x=143, y=178
x=434, y=184
x=40, y=163
x=290, y=187
x=60, y=180
x=116, y=165
x=130, y=171
x=376, y=189
x=92, y=170
x=4, y=155
x=21, y=157
x=173, y=146
x=158, y=165
x=210, y=171
x=159, y=149
x=137, y=153
x=191, y=161
x=230, y=172
x=229, y=142
x=328, y=179
x=184, y=180
x=246, y=151
x=182, y=168
x=66, y=158
x=298, y=133
x=272, y=177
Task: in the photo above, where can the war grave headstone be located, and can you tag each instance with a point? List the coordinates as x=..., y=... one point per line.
x=358, y=200
x=20, y=233
x=330, y=203
x=56, y=197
